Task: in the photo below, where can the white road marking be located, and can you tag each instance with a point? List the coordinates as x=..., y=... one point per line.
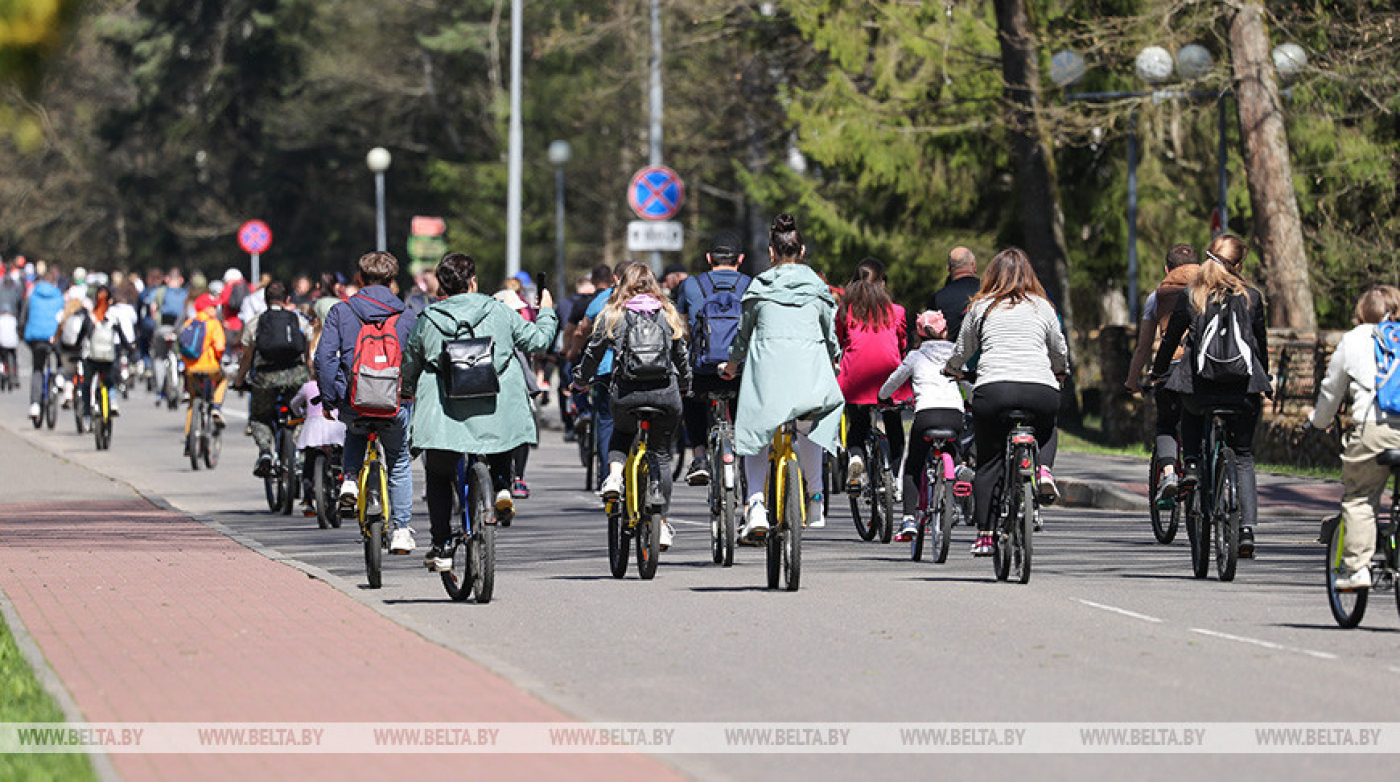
x=1265, y=644
x=1120, y=611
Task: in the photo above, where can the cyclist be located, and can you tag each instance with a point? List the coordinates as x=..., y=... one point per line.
x=651, y=368
x=1352, y=370
x=938, y=404
x=600, y=406
x=206, y=311
x=335, y=357
x=104, y=335
x=11, y=302
x=275, y=345
x=712, y=302
x=577, y=303
x=872, y=331
x=71, y=326
x=788, y=351
x=1220, y=295
x=444, y=430
x=512, y=294
x=1023, y=357
x=38, y=324
x=1182, y=267
x=952, y=299
x=167, y=309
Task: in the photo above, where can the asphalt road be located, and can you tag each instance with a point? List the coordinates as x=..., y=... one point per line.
x=1112, y=628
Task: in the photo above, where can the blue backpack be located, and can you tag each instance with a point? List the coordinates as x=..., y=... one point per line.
x=191, y=339
x=716, y=321
x=1387, y=364
x=172, y=303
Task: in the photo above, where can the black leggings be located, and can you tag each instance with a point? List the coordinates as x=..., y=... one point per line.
x=696, y=407
x=988, y=403
x=662, y=431
x=858, y=427
x=1239, y=435
x=935, y=418
x=440, y=468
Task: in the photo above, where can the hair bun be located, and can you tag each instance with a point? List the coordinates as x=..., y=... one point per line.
x=784, y=223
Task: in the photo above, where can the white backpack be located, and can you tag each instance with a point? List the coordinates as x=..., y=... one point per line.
x=72, y=332
x=102, y=342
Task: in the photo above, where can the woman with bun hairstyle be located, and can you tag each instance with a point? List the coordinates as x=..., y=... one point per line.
x=787, y=350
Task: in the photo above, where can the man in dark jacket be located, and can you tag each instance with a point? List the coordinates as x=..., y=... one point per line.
x=335, y=356
x=962, y=285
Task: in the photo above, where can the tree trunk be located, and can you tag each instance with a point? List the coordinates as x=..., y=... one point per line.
x=1276, y=222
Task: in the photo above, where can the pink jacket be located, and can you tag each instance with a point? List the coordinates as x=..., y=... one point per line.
x=869, y=356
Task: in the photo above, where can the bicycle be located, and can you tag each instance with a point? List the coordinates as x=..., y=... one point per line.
x=82, y=404
x=1348, y=606
x=786, y=496
x=1164, y=527
x=473, y=543
x=1212, y=509
x=938, y=505
x=282, y=483
x=48, y=399
x=372, y=508
x=168, y=370
x=726, y=487
x=323, y=463
x=635, y=514
x=102, y=412
x=205, y=440
x=590, y=453
x=9, y=369
x=1016, y=501
x=878, y=490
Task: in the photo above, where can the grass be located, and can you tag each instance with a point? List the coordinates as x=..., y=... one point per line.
x=23, y=699
x=1070, y=441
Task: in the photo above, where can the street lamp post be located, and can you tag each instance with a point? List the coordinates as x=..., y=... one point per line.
x=559, y=153
x=378, y=161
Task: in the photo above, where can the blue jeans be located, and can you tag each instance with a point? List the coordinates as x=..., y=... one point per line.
x=393, y=438
x=601, y=399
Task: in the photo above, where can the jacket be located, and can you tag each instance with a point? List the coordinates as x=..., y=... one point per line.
x=1169, y=292
x=476, y=426
x=786, y=347
x=1351, y=374
x=335, y=353
x=1183, y=378
x=869, y=355
x=41, y=311
x=214, y=344
x=601, y=344
x=924, y=368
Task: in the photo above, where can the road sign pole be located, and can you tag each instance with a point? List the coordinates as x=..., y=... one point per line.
x=256, y=268
x=657, y=104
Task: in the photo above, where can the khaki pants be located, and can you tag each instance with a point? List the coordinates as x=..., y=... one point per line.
x=1363, y=480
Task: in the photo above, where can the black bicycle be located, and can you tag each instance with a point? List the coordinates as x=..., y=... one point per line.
x=282, y=483
x=101, y=411
x=473, y=543
x=872, y=503
x=726, y=486
x=938, y=506
x=1212, y=509
x=1348, y=606
x=82, y=403
x=1015, y=499
x=323, y=463
x=205, y=440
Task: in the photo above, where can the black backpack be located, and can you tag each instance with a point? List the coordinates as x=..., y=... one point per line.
x=644, y=348
x=1224, y=346
x=279, y=343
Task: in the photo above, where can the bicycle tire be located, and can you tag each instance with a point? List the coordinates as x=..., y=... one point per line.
x=927, y=515
x=1164, y=528
x=773, y=540
x=318, y=488
x=1025, y=529
x=946, y=517
x=51, y=409
x=287, y=470
x=374, y=553
x=1001, y=534
x=586, y=448
x=483, y=540
x=458, y=581
x=194, y=440
x=1198, y=530
x=864, y=528
x=80, y=406
x=1347, y=607
x=272, y=488
x=882, y=490
x=1227, y=515
x=790, y=544
x=619, y=547
x=213, y=440
x=648, y=533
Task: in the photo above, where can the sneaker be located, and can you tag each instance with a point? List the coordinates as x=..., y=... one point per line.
x=439, y=559
x=898, y=492
x=612, y=486
x=218, y=416
x=1048, y=491
x=505, y=508
x=816, y=515
x=1036, y=523
x=668, y=535
x=113, y=409
x=907, y=530
x=34, y=410
x=755, y=521
x=263, y=467
x=1247, y=543
x=349, y=493
x=308, y=509
x=1167, y=488
x=984, y=546
x=248, y=430
x=520, y=491
x=1361, y=579
x=699, y=472
x=569, y=435
x=401, y=542
x=855, y=473
x=1190, y=477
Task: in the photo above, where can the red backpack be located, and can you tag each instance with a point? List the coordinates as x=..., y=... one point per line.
x=375, y=369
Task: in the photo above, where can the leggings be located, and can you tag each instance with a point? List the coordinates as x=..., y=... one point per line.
x=933, y=418
x=809, y=457
x=440, y=470
x=1239, y=435
x=858, y=427
x=988, y=403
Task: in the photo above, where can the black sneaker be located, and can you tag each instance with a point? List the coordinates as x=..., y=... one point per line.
x=699, y=472
x=1246, y=543
x=263, y=467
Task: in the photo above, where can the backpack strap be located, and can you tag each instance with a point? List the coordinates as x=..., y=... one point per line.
x=701, y=285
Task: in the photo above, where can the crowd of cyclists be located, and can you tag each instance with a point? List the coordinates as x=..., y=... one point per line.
x=448, y=371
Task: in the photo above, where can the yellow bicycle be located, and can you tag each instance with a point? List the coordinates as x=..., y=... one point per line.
x=372, y=509
x=636, y=513
x=786, y=495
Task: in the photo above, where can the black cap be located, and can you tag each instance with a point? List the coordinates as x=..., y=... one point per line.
x=674, y=268
x=727, y=243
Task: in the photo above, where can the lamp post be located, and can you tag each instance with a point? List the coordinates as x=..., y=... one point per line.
x=515, y=144
x=559, y=154
x=378, y=161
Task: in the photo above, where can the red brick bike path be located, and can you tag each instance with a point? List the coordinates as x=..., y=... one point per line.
x=149, y=616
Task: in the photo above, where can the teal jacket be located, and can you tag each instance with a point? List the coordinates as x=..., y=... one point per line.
x=787, y=349
x=477, y=426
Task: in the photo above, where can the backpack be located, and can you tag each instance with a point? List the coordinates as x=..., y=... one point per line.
x=71, y=334
x=172, y=302
x=1387, y=363
x=375, y=368
x=279, y=342
x=1223, y=350
x=236, y=294
x=716, y=323
x=191, y=339
x=467, y=366
x=644, y=349
x=102, y=342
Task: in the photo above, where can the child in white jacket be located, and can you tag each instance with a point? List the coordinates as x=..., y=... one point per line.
x=317, y=432
x=1352, y=371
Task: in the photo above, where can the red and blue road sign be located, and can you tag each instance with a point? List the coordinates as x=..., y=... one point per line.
x=254, y=237
x=656, y=193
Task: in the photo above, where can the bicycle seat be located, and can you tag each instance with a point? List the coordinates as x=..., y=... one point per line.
x=645, y=413
x=939, y=435
x=1389, y=457
x=1222, y=411
x=1017, y=415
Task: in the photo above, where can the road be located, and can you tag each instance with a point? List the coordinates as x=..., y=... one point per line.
x=1112, y=628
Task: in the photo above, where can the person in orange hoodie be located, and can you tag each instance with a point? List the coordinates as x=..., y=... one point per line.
x=206, y=311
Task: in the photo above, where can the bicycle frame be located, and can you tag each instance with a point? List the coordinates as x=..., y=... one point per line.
x=635, y=491
x=374, y=460
x=780, y=455
x=724, y=472
x=1022, y=463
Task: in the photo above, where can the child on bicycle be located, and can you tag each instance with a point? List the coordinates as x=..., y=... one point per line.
x=208, y=365
x=1352, y=371
x=938, y=404
x=317, y=432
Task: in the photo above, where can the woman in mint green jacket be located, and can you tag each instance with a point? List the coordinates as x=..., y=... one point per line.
x=492, y=427
x=787, y=350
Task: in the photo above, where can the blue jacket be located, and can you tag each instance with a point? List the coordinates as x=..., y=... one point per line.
x=335, y=354
x=41, y=312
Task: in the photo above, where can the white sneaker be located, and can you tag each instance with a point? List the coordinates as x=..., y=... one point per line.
x=668, y=534
x=1361, y=579
x=755, y=520
x=349, y=493
x=401, y=542
x=34, y=410
x=816, y=518
x=612, y=486
x=855, y=472
x=505, y=508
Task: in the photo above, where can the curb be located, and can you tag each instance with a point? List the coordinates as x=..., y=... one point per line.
x=1100, y=495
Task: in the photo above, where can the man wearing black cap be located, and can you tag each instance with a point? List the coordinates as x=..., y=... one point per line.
x=711, y=302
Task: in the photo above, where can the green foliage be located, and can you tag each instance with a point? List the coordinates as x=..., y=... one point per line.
x=23, y=699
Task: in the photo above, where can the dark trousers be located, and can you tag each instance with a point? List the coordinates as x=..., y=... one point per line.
x=662, y=432
x=1239, y=435
x=440, y=470
x=696, y=407
x=520, y=456
x=39, y=357
x=91, y=369
x=988, y=403
x=936, y=418
x=858, y=428
x=1168, y=418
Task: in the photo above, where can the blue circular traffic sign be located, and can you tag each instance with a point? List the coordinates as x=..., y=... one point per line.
x=254, y=237
x=656, y=193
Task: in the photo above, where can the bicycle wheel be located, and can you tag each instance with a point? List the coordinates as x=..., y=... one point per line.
x=929, y=514
x=1007, y=516
x=881, y=490
x=272, y=488
x=213, y=440
x=319, y=487
x=947, y=516
x=373, y=528
x=1024, y=528
x=482, y=544
x=773, y=541
x=51, y=405
x=194, y=439
x=585, y=450
x=1347, y=607
x=790, y=544
x=1227, y=515
x=648, y=532
x=1164, y=522
x=1198, y=530
x=618, y=544
x=80, y=406
x=287, y=471
x=865, y=526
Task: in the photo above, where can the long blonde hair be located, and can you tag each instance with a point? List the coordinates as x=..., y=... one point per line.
x=638, y=280
x=1220, y=276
